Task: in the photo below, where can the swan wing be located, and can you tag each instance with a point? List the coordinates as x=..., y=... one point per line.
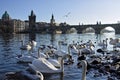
x=54, y=62
x=44, y=66
x=26, y=59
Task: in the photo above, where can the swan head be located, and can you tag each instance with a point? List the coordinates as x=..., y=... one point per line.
x=106, y=38
x=84, y=64
x=40, y=74
x=111, y=38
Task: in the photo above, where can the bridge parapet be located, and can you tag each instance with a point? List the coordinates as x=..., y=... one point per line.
x=97, y=28
x=79, y=28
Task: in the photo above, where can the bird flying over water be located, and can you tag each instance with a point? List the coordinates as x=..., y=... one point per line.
x=67, y=14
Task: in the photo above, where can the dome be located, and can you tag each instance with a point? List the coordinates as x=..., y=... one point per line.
x=5, y=16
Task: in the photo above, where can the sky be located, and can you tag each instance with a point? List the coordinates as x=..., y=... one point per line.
x=72, y=12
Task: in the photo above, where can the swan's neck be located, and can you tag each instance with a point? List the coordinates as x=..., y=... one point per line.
x=59, y=45
x=69, y=49
x=41, y=75
x=39, y=53
x=22, y=42
x=84, y=69
x=79, y=52
x=62, y=65
x=60, y=59
x=47, y=55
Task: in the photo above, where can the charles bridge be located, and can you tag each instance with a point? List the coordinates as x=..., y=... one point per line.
x=80, y=28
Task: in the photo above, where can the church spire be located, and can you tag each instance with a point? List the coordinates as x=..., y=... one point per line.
x=32, y=13
x=52, y=16
x=52, y=21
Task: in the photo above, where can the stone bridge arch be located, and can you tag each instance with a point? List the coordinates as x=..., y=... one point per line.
x=108, y=29
x=88, y=30
x=71, y=30
x=99, y=28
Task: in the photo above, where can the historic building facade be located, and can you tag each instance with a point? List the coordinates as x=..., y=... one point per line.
x=18, y=25
x=8, y=25
x=5, y=23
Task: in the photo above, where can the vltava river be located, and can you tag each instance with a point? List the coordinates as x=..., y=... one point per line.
x=10, y=47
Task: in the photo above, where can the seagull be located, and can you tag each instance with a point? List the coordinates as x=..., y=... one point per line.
x=67, y=14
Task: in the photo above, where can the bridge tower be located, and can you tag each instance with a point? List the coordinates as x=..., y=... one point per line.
x=32, y=26
x=32, y=21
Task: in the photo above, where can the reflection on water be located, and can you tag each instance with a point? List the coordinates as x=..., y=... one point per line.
x=10, y=47
x=32, y=36
x=109, y=35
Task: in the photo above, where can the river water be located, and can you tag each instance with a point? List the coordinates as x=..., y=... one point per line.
x=10, y=47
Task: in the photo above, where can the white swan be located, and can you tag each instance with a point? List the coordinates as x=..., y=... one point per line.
x=30, y=57
x=114, y=41
x=25, y=59
x=59, y=52
x=55, y=62
x=38, y=72
x=46, y=49
x=73, y=49
x=104, y=44
x=39, y=54
x=25, y=46
x=86, y=50
x=45, y=66
x=33, y=43
x=26, y=75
